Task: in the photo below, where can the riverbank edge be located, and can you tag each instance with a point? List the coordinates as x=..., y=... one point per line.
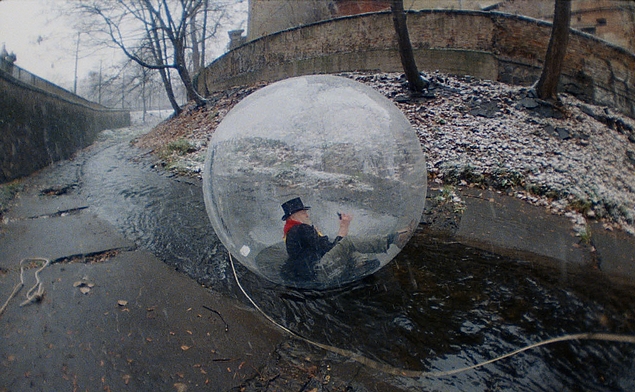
x=498, y=222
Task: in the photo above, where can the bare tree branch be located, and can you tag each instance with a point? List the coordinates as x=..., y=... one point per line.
x=154, y=34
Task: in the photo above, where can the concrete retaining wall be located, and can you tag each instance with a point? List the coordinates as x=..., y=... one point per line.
x=488, y=45
x=38, y=128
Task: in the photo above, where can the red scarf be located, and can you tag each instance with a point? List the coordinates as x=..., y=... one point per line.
x=288, y=225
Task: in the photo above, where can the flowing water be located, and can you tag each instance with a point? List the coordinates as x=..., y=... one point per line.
x=437, y=306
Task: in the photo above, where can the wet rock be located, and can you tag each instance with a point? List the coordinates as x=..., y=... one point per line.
x=550, y=130
x=586, y=109
x=563, y=133
x=414, y=96
x=428, y=95
x=58, y=190
x=487, y=109
x=612, y=121
x=529, y=103
x=549, y=111
x=441, y=215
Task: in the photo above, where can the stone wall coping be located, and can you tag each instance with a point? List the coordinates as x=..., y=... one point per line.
x=268, y=58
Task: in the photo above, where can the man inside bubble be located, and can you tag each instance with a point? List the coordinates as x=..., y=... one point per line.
x=314, y=257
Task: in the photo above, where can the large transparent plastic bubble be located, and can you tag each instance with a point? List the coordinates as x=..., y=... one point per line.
x=338, y=145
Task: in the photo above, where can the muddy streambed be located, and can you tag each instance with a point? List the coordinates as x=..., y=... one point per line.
x=438, y=306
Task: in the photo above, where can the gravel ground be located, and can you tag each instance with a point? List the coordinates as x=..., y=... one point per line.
x=577, y=159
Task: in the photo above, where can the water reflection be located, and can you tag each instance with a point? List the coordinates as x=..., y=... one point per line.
x=443, y=306
x=437, y=306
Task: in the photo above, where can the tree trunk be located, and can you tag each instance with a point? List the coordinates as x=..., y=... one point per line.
x=143, y=94
x=204, y=33
x=184, y=74
x=155, y=46
x=196, y=55
x=169, y=91
x=415, y=82
x=547, y=85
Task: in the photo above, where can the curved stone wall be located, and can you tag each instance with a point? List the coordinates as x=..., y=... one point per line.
x=38, y=128
x=488, y=45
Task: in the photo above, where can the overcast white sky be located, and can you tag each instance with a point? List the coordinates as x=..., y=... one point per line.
x=41, y=39
x=44, y=41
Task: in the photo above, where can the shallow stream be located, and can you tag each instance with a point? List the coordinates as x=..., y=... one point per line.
x=437, y=306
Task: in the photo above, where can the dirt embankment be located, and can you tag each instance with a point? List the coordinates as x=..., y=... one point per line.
x=576, y=160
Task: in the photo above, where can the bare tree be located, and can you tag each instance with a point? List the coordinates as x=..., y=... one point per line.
x=155, y=33
x=206, y=26
x=104, y=86
x=547, y=86
x=416, y=83
x=196, y=53
x=126, y=85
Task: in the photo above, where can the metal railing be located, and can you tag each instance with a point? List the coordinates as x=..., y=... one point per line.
x=27, y=77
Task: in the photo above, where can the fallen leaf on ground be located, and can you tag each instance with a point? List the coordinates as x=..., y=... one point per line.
x=84, y=286
x=180, y=387
x=122, y=302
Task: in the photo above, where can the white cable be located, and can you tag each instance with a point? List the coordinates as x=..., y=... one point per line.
x=416, y=373
x=36, y=292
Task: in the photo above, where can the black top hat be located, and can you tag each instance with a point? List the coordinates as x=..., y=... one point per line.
x=293, y=206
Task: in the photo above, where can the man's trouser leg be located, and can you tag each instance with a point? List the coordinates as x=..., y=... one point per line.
x=348, y=253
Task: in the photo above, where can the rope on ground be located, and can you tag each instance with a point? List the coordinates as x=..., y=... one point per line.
x=419, y=374
x=36, y=292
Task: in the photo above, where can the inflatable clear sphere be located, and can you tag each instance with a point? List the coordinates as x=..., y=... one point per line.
x=339, y=146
